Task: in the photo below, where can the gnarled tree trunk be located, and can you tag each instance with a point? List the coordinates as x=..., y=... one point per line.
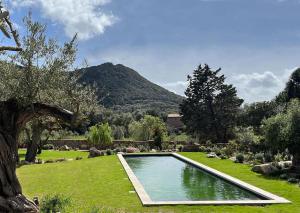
x=34, y=142
x=12, y=118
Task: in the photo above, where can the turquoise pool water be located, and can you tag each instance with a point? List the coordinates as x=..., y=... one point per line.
x=166, y=178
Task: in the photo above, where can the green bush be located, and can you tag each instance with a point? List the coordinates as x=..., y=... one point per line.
x=268, y=157
x=148, y=128
x=217, y=151
x=109, y=152
x=284, y=176
x=202, y=148
x=100, y=134
x=282, y=131
x=259, y=157
x=223, y=157
x=278, y=157
x=118, y=132
x=239, y=158
x=246, y=139
x=54, y=203
x=208, y=149
x=293, y=180
x=230, y=149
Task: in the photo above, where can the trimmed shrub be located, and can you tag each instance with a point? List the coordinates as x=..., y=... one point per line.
x=239, y=158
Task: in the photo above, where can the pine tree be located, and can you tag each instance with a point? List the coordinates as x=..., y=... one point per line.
x=210, y=108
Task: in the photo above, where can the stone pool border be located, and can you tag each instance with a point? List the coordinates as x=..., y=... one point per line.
x=146, y=200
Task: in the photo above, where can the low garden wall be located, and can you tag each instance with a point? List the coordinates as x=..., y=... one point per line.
x=84, y=145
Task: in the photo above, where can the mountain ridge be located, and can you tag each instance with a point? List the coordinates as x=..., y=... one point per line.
x=121, y=87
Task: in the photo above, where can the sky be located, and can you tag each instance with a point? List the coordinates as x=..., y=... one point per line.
x=255, y=42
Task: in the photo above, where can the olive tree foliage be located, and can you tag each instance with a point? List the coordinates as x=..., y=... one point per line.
x=148, y=128
x=40, y=73
x=282, y=131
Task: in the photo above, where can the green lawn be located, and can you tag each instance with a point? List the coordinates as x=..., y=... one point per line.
x=50, y=154
x=101, y=182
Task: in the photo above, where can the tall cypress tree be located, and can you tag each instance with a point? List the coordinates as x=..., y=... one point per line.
x=210, y=108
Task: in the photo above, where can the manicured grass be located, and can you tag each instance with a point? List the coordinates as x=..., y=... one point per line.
x=51, y=154
x=102, y=182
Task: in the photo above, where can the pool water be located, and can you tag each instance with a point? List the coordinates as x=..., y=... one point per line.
x=166, y=178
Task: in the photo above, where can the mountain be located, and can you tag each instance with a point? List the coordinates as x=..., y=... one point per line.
x=123, y=88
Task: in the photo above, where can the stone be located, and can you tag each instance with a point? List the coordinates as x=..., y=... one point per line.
x=64, y=148
x=211, y=155
x=95, y=153
x=265, y=169
x=132, y=150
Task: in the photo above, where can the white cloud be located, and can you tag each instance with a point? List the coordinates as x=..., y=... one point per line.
x=245, y=68
x=83, y=17
x=262, y=86
x=177, y=87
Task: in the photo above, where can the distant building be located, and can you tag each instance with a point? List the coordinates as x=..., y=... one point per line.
x=174, y=122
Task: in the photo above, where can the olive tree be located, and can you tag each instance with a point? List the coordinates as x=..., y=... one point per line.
x=44, y=78
x=148, y=128
x=39, y=62
x=282, y=131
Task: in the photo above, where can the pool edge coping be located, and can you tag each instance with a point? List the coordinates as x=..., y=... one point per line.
x=146, y=200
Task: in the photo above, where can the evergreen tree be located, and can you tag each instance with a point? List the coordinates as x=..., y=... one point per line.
x=211, y=106
x=293, y=85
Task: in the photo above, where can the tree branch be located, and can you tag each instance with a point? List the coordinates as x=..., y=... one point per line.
x=13, y=32
x=39, y=109
x=8, y=48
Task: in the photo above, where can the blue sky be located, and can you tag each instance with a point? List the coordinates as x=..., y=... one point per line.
x=255, y=42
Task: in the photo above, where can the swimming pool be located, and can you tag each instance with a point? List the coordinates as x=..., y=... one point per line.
x=173, y=179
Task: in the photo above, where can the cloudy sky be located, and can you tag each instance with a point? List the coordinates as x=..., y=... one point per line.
x=255, y=42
